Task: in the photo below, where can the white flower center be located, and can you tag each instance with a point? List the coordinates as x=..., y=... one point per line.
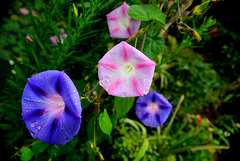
x=56, y=104
x=127, y=70
x=153, y=107
x=125, y=22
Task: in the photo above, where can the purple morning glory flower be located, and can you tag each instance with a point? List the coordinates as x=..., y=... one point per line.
x=153, y=109
x=51, y=107
x=120, y=24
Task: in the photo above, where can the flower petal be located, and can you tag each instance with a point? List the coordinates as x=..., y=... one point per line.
x=120, y=24
x=152, y=109
x=51, y=107
x=70, y=95
x=124, y=71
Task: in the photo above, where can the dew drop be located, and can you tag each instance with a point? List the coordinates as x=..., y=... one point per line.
x=39, y=127
x=34, y=124
x=33, y=134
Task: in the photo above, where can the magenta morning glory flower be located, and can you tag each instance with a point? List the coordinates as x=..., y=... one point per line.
x=124, y=71
x=152, y=109
x=54, y=39
x=51, y=107
x=120, y=24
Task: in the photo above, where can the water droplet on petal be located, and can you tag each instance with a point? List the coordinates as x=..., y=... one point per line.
x=33, y=134
x=39, y=127
x=34, y=124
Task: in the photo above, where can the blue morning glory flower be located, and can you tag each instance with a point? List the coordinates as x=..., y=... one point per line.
x=152, y=109
x=51, y=107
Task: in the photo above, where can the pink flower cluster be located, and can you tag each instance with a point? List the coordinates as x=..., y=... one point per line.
x=25, y=11
x=124, y=71
x=54, y=38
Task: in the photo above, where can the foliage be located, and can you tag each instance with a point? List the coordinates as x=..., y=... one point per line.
x=109, y=127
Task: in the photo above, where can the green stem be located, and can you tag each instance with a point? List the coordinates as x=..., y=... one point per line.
x=158, y=137
x=135, y=45
x=174, y=115
x=93, y=89
x=95, y=127
x=144, y=39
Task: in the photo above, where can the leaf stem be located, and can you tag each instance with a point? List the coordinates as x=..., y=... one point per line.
x=158, y=137
x=144, y=39
x=93, y=89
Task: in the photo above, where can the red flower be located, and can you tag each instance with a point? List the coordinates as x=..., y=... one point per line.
x=213, y=32
x=199, y=119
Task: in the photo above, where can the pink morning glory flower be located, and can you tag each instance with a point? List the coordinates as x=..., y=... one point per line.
x=120, y=24
x=152, y=109
x=51, y=107
x=54, y=39
x=124, y=71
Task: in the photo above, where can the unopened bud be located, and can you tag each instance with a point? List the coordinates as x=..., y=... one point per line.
x=75, y=10
x=195, y=34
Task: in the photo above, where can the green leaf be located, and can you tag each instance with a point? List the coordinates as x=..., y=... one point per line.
x=39, y=148
x=146, y=12
x=142, y=150
x=123, y=105
x=27, y=154
x=105, y=123
x=153, y=47
x=198, y=9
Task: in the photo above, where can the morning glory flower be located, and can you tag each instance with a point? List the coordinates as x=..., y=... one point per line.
x=124, y=71
x=51, y=107
x=153, y=109
x=120, y=24
x=54, y=38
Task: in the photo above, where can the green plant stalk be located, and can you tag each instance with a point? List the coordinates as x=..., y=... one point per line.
x=174, y=115
x=158, y=137
x=144, y=39
x=181, y=127
x=93, y=89
x=195, y=148
x=95, y=127
x=187, y=136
